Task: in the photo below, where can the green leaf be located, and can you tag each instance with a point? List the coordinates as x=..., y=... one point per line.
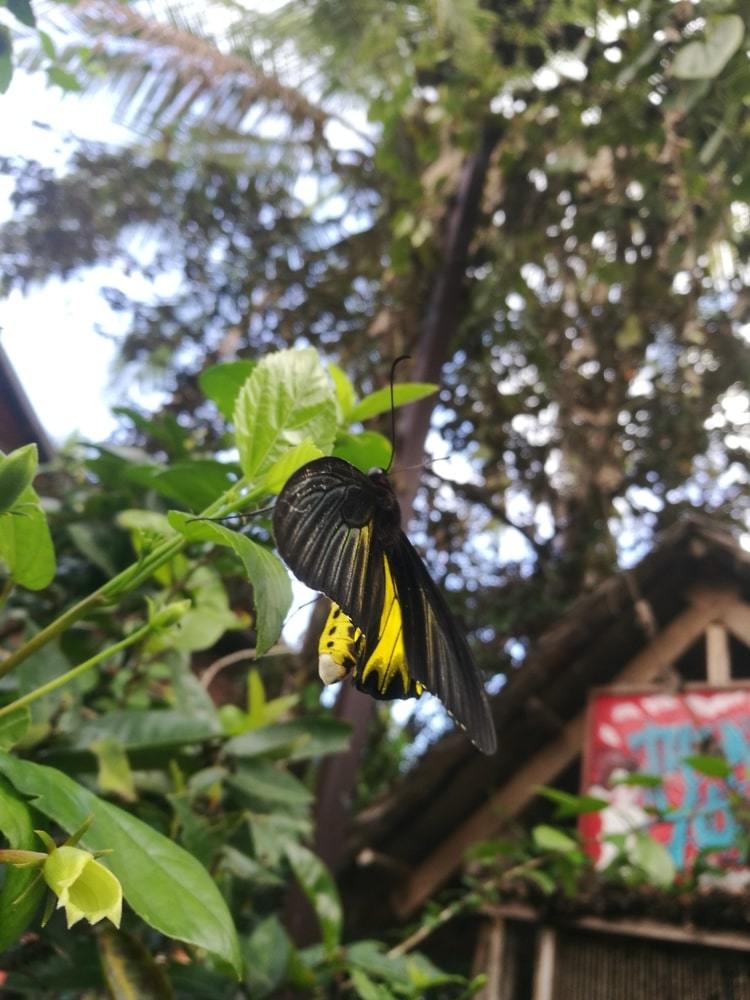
x=266, y=952
x=94, y=542
x=268, y=787
x=572, y=805
x=711, y=765
x=320, y=889
x=289, y=462
x=300, y=739
x=26, y=544
x=22, y=10
x=380, y=400
x=288, y=399
x=545, y=882
x=367, y=450
x=114, y=768
x=641, y=780
x=164, y=884
x=6, y=59
x=653, y=858
x=369, y=990
x=17, y=471
x=222, y=383
x=206, y=621
x=346, y=398
x=14, y=726
x=144, y=730
x=17, y=826
x=272, y=588
x=129, y=969
x=194, y=484
x=550, y=838
x=60, y=77
x=704, y=60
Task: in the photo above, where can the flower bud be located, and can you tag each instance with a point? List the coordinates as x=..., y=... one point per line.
x=83, y=886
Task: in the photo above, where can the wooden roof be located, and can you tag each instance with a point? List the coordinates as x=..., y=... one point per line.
x=633, y=628
x=19, y=423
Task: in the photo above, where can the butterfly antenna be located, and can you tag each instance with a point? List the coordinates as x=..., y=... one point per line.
x=396, y=363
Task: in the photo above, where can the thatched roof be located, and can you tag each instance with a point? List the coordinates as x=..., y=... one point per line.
x=588, y=647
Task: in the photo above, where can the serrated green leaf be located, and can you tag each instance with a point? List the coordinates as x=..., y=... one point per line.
x=288, y=463
x=365, y=451
x=320, y=889
x=272, y=587
x=222, y=383
x=380, y=400
x=705, y=59
x=288, y=399
x=164, y=884
x=346, y=398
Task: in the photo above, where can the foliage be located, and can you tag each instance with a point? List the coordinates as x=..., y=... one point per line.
x=553, y=858
x=594, y=379
x=201, y=811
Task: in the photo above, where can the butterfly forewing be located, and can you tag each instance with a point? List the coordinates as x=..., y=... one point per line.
x=323, y=522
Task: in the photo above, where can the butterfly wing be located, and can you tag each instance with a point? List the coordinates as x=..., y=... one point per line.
x=438, y=655
x=324, y=524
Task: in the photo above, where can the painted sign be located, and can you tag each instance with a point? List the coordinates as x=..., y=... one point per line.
x=652, y=733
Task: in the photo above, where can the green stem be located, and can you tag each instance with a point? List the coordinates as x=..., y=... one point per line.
x=123, y=583
x=70, y=675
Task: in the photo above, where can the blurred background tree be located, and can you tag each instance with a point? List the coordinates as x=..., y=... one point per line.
x=545, y=203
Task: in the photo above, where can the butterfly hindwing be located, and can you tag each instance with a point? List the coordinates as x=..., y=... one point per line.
x=437, y=652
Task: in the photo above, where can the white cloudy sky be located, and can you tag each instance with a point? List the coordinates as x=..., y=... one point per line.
x=49, y=334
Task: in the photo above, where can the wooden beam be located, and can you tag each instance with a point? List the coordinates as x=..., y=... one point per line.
x=508, y=800
x=736, y=617
x=656, y=930
x=718, y=665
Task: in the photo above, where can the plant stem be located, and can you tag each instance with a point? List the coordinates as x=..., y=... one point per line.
x=125, y=581
x=70, y=675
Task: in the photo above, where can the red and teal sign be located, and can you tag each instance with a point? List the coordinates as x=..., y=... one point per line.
x=654, y=733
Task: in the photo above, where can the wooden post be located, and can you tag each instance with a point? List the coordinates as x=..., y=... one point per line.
x=488, y=958
x=544, y=966
x=718, y=665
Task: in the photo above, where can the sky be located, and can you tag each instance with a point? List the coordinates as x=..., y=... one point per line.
x=49, y=334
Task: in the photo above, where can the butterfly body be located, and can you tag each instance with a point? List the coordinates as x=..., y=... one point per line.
x=339, y=530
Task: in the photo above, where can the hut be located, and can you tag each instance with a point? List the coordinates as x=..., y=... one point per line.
x=676, y=623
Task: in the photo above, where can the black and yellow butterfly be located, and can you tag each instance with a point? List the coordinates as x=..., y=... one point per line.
x=389, y=626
